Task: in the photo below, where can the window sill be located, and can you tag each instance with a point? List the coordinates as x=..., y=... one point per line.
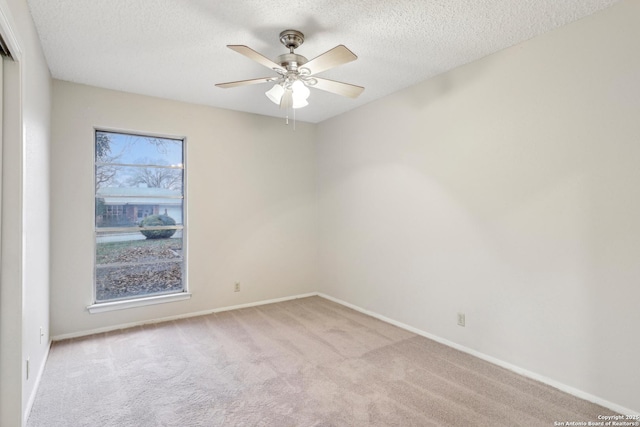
x=139, y=302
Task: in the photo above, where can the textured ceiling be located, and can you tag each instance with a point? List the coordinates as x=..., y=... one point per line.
x=176, y=48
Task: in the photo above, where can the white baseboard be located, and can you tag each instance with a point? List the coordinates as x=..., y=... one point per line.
x=36, y=385
x=176, y=317
x=540, y=378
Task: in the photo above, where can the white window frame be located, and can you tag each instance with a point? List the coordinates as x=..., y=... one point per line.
x=141, y=301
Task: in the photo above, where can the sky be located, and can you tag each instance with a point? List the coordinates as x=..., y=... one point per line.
x=135, y=149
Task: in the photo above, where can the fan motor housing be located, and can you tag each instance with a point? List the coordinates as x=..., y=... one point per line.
x=291, y=61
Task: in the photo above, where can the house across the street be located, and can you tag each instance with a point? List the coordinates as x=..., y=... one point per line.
x=122, y=207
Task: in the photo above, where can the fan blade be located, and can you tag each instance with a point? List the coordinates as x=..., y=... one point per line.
x=337, y=56
x=246, y=82
x=252, y=54
x=344, y=89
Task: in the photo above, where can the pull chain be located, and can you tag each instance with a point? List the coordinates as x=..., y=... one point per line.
x=286, y=118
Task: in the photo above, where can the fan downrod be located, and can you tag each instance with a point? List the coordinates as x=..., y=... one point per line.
x=291, y=39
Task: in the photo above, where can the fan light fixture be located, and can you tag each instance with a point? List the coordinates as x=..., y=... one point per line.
x=287, y=94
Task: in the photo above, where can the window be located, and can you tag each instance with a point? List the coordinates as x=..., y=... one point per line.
x=139, y=216
x=113, y=213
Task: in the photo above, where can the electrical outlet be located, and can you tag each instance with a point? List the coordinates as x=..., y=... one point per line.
x=236, y=287
x=461, y=320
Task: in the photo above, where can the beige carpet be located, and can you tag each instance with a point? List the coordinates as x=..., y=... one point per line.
x=307, y=362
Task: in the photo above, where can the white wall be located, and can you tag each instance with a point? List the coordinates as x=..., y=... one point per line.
x=24, y=296
x=506, y=189
x=251, y=203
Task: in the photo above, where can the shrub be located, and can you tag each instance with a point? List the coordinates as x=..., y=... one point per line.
x=157, y=221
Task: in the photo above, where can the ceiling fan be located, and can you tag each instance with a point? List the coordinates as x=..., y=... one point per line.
x=296, y=74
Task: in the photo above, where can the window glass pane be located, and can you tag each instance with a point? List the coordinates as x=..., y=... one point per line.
x=139, y=193
x=133, y=247
x=135, y=149
x=138, y=280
